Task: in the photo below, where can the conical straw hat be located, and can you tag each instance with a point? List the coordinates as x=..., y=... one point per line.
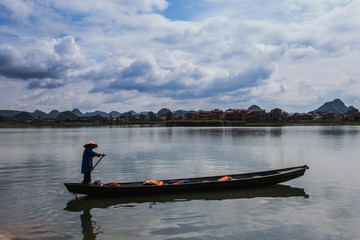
x=90, y=143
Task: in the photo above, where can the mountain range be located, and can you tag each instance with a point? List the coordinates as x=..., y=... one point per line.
x=56, y=114
x=336, y=106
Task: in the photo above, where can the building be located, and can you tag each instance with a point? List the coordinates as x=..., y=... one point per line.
x=275, y=115
x=205, y=115
x=235, y=115
x=217, y=114
x=192, y=115
x=255, y=116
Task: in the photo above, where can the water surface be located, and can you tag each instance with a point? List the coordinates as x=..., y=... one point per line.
x=323, y=204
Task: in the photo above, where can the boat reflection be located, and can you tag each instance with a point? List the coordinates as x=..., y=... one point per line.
x=275, y=191
x=90, y=229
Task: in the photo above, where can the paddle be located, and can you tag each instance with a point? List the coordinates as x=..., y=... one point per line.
x=97, y=162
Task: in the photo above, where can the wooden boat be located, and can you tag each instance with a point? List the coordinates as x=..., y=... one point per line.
x=244, y=180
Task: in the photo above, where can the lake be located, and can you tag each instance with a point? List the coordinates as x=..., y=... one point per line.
x=323, y=204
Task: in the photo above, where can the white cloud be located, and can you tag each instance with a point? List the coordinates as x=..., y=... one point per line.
x=43, y=63
x=19, y=10
x=275, y=53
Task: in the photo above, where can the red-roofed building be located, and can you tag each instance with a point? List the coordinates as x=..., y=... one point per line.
x=255, y=116
x=235, y=115
x=192, y=115
x=205, y=115
x=217, y=114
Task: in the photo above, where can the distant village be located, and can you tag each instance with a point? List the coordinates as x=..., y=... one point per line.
x=332, y=111
x=275, y=115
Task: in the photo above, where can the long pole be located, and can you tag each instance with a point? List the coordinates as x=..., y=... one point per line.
x=97, y=163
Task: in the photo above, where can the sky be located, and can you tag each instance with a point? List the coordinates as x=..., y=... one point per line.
x=143, y=55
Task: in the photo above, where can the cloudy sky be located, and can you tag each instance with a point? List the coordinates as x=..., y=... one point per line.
x=181, y=54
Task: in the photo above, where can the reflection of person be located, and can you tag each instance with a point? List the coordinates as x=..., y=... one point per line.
x=88, y=226
x=87, y=161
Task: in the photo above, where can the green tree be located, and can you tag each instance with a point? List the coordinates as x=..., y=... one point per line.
x=142, y=117
x=127, y=116
x=169, y=116
x=152, y=116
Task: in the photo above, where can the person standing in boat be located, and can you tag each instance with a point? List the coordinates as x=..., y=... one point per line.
x=87, y=160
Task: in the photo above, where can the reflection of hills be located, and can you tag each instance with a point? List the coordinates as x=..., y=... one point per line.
x=338, y=131
x=236, y=132
x=86, y=203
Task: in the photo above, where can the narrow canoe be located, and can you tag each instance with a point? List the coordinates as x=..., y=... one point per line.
x=189, y=185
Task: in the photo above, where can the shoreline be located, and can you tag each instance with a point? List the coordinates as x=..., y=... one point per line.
x=182, y=123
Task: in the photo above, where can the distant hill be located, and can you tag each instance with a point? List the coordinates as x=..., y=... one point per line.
x=132, y=112
x=115, y=114
x=77, y=112
x=89, y=114
x=353, y=109
x=53, y=114
x=181, y=113
x=9, y=113
x=38, y=114
x=163, y=112
x=254, y=107
x=67, y=115
x=336, y=106
x=23, y=116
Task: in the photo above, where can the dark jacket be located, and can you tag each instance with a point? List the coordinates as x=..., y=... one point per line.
x=87, y=160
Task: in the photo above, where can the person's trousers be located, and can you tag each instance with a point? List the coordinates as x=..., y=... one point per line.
x=87, y=178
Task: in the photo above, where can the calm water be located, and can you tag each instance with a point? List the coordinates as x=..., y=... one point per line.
x=323, y=204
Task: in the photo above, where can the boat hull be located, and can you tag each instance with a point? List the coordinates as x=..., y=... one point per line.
x=246, y=180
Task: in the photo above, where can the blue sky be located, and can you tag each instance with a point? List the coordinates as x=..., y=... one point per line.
x=189, y=10
x=181, y=54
